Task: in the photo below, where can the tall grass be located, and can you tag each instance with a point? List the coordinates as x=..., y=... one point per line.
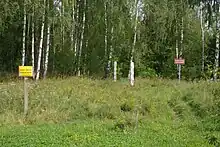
x=194, y=106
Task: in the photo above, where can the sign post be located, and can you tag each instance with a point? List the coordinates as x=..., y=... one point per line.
x=179, y=62
x=25, y=72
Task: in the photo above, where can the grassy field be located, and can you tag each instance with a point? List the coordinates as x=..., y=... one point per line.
x=86, y=112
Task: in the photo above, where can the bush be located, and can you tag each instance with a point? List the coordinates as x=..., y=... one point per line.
x=147, y=72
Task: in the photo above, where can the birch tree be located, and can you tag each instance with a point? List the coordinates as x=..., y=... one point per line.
x=32, y=43
x=217, y=41
x=81, y=40
x=203, y=35
x=106, y=37
x=134, y=44
x=73, y=25
x=48, y=45
x=41, y=43
x=24, y=34
x=111, y=51
x=109, y=32
x=76, y=30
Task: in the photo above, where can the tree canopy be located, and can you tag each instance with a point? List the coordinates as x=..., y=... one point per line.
x=83, y=37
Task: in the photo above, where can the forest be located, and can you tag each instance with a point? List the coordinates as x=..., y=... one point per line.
x=73, y=45
x=86, y=38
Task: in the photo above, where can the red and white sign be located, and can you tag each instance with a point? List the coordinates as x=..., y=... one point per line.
x=179, y=61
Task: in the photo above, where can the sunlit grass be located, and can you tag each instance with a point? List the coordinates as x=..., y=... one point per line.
x=104, y=113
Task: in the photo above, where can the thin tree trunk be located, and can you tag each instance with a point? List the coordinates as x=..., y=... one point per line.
x=48, y=46
x=41, y=45
x=203, y=36
x=106, y=40
x=181, y=47
x=24, y=35
x=32, y=46
x=177, y=43
x=47, y=51
x=135, y=31
x=85, y=58
x=177, y=55
x=62, y=26
x=81, y=40
x=216, y=50
x=53, y=44
x=111, y=51
x=131, y=73
x=72, y=31
x=73, y=25
x=76, y=35
x=28, y=36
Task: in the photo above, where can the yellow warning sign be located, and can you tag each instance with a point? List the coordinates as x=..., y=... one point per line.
x=25, y=71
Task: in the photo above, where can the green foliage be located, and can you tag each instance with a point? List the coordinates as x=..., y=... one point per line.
x=148, y=72
x=87, y=112
x=96, y=133
x=154, y=49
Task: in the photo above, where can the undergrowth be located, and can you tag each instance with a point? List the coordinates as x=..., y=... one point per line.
x=193, y=106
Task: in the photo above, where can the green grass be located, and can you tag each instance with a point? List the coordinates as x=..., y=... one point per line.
x=85, y=112
x=97, y=133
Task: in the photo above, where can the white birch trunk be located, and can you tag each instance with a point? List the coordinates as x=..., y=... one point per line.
x=41, y=45
x=48, y=47
x=131, y=73
x=177, y=55
x=24, y=35
x=32, y=45
x=216, y=50
x=111, y=51
x=203, y=35
x=81, y=40
x=181, y=47
x=76, y=31
x=47, y=51
x=73, y=25
x=177, y=45
x=182, y=37
x=115, y=71
x=106, y=36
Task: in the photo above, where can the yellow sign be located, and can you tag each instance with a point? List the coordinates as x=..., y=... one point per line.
x=25, y=71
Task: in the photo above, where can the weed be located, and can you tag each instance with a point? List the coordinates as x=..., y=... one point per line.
x=54, y=104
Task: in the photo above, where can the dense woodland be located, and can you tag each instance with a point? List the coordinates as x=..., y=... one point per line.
x=86, y=38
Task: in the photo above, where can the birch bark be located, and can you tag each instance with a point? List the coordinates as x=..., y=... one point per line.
x=32, y=43
x=41, y=45
x=131, y=73
x=81, y=40
x=24, y=34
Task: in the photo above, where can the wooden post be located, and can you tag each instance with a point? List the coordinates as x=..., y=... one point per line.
x=25, y=96
x=25, y=72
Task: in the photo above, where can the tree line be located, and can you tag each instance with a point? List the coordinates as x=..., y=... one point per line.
x=82, y=37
